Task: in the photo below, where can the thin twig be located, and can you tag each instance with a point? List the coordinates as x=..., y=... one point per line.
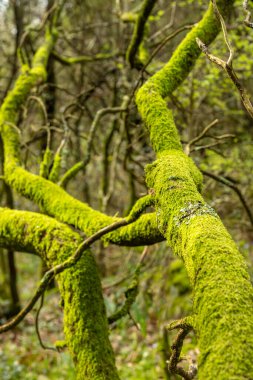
x=207, y=146
x=232, y=75
x=156, y=51
x=248, y=14
x=168, y=26
x=82, y=164
x=131, y=292
x=184, y=328
x=200, y=136
x=42, y=106
x=225, y=33
x=37, y=326
x=232, y=186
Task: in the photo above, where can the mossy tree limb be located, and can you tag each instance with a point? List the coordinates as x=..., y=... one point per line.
x=50, y=197
x=80, y=288
x=223, y=294
x=138, y=33
x=150, y=98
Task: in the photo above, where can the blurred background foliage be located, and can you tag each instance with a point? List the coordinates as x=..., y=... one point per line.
x=114, y=178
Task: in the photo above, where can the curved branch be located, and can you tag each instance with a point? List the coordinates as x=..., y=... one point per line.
x=85, y=321
x=223, y=294
x=150, y=97
x=236, y=190
x=138, y=33
x=68, y=61
x=50, y=197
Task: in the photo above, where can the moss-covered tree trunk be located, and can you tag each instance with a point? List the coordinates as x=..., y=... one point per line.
x=223, y=294
x=85, y=321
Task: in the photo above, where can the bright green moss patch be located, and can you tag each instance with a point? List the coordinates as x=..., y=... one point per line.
x=85, y=321
x=223, y=294
x=71, y=173
x=45, y=164
x=150, y=97
x=55, y=171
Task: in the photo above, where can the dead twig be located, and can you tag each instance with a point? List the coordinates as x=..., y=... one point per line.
x=247, y=21
x=227, y=65
x=184, y=328
x=131, y=293
x=232, y=186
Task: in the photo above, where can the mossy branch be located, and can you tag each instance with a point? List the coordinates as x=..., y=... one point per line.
x=223, y=294
x=68, y=61
x=150, y=97
x=138, y=33
x=138, y=208
x=50, y=197
x=85, y=322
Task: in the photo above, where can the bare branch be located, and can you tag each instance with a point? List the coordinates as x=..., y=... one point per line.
x=200, y=136
x=248, y=14
x=184, y=328
x=37, y=326
x=169, y=25
x=225, y=33
x=131, y=292
x=232, y=186
x=82, y=164
x=232, y=75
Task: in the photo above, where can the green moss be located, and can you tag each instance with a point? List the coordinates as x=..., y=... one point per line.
x=138, y=33
x=150, y=97
x=51, y=198
x=56, y=202
x=45, y=164
x=60, y=345
x=223, y=294
x=138, y=208
x=55, y=171
x=85, y=321
x=129, y=17
x=223, y=299
x=71, y=173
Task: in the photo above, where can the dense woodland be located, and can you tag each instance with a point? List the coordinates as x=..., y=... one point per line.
x=126, y=221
